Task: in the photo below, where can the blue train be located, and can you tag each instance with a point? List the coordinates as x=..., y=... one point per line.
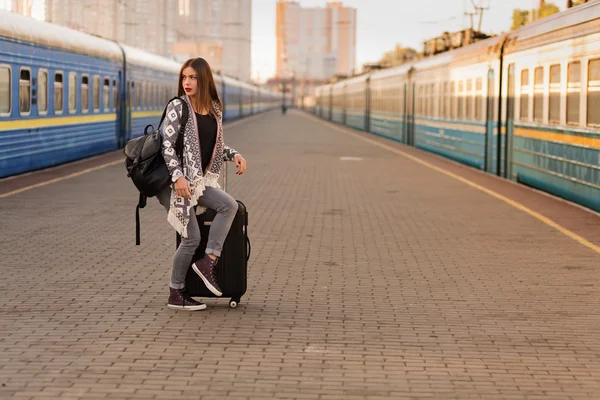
x=523, y=105
x=66, y=95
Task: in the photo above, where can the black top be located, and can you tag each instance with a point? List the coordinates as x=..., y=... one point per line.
x=207, y=133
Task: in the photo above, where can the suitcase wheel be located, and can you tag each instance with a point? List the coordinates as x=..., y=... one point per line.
x=233, y=303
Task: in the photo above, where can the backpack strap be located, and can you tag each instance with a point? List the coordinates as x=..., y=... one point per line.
x=141, y=204
x=182, y=123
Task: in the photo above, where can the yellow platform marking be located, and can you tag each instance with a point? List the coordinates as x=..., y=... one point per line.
x=505, y=199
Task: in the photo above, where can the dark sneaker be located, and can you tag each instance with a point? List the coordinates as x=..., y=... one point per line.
x=205, y=268
x=180, y=300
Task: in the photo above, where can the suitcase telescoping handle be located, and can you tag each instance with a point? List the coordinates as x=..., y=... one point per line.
x=249, y=247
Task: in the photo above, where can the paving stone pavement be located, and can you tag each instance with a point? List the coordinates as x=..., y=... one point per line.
x=369, y=279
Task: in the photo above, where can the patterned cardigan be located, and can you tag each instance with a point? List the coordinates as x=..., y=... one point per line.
x=181, y=208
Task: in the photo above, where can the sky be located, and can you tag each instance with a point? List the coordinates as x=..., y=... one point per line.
x=380, y=24
x=383, y=23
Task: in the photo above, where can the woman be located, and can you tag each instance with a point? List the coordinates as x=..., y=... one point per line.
x=195, y=179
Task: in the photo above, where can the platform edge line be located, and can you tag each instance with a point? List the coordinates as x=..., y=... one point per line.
x=62, y=178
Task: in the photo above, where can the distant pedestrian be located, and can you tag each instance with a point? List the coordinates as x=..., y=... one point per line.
x=196, y=179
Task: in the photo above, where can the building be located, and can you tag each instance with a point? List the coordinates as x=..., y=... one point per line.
x=23, y=7
x=217, y=30
x=315, y=43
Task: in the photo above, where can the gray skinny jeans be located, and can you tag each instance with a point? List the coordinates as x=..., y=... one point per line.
x=226, y=208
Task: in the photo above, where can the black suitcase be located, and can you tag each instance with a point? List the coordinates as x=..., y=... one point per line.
x=232, y=267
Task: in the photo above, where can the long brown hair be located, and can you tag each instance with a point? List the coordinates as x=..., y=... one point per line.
x=207, y=91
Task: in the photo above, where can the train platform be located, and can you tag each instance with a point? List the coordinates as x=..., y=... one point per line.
x=377, y=271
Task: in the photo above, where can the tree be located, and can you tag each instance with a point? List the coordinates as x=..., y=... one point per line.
x=520, y=18
x=398, y=56
x=547, y=10
x=575, y=3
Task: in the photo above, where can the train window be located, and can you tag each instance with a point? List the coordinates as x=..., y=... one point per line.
x=42, y=101
x=138, y=95
x=469, y=96
x=573, y=92
x=58, y=93
x=524, y=110
x=461, y=101
x=554, y=100
x=154, y=95
x=114, y=95
x=145, y=95
x=432, y=101
x=150, y=95
x=425, y=102
x=478, y=99
x=446, y=112
x=424, y=105
x=419, y=99
x=452, y=113
x=5, y=90
x=441, y=97
x=106, y=94
x=25, y=91
x=428, y=99
x=593, y=95
x=400, y=100
x=538, y=94
x=96, y=94
x=426, y=96
x=72, y=92
x=85, y=94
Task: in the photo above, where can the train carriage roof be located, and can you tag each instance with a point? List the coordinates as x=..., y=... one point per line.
x=392, y=71
x=28, y=30
x=144, y=59
x=483, y=50
x=577, y=21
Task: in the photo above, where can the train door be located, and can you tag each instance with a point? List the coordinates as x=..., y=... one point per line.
x=330, y=117
x=489, y=124
x=410, y=114
x=126, y=106
x=118, y=106
x=510, y=123
x=368, y=105
x=402, y=111
x=242, y=96
x=344, y=104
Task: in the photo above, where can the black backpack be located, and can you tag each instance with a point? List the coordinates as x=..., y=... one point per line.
x=145, y=163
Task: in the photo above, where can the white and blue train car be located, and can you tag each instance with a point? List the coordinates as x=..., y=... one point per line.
x=388, y=93
x=151, y=82
x=67, y=95
x=58, y=94
x=232, y=97
x=455, y=104
x=522, y=105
